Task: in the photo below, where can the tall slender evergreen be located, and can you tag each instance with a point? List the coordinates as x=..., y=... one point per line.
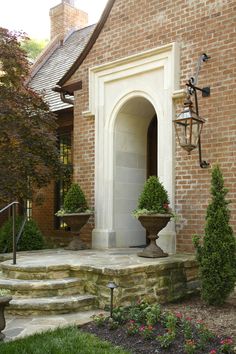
x=217, y=254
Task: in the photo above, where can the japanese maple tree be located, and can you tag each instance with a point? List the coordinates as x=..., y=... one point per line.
x=29, y=157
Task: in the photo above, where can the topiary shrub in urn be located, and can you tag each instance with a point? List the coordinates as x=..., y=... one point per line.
x=154, y=213
x=75, y=214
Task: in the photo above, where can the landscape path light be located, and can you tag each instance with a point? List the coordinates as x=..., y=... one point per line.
x=111, y=285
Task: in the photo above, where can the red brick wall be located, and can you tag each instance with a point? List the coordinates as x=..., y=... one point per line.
x=199, y=26
x=44, y=213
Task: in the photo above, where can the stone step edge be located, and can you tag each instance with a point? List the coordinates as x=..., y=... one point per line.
x=66, y=267
x=56, y=302
x=24, y=284
x=33, y=269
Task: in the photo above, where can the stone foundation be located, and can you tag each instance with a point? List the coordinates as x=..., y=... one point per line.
x=49, y=276
x=163, y=281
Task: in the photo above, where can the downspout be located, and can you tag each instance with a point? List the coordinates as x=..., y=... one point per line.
x=66, y=100
x=63, y=95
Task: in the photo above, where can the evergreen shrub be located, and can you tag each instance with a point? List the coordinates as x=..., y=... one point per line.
x=75, y=200
x=153, y=199
x=216, y=254
x=31, y=238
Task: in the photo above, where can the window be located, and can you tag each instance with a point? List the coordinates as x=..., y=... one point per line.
x=62, y=186
x=29, y=209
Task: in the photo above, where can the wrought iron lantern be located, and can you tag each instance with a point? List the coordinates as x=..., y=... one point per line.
x=188, y=124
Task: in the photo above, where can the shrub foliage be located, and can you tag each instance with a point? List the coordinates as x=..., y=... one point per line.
x=217, y=254
x=75, y=200
x=154, y=197
x=31, y=238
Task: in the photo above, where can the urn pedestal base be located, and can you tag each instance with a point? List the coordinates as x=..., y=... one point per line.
x=153, y=251
x=76, y=244
x=153, y=224
x=4, y=301
x=76, y=221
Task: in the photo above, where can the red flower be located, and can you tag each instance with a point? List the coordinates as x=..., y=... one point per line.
x=200, y=321
x=178, y=315
x=227, y=341
x=166, y=206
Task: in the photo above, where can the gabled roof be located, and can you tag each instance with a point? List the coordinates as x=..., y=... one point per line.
x=89, y=44
x=56, y=64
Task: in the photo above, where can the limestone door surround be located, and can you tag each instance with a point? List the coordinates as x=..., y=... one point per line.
x=124, y=97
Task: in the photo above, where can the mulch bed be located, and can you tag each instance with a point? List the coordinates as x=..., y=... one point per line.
x=136, y=344
x=219, y=320
x=222, y=321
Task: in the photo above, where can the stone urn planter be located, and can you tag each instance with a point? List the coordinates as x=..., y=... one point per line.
x=75, y=213
x=154, y=213
x=153, y=224
x=76, y=221
x=4, y=301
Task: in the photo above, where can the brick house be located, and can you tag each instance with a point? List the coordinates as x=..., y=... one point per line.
x=128, y=83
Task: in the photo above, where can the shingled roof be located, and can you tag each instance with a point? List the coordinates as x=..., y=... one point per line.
x=89, y=44
x=52, y=69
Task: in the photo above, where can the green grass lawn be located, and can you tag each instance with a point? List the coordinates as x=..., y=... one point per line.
x=67, y=340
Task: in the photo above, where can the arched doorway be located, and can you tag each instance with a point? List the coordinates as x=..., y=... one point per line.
x=130, y=91
x=135, y=151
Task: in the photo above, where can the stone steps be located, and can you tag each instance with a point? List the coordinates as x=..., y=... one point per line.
x=42, y=288
x=28, y=272
x=51, y=305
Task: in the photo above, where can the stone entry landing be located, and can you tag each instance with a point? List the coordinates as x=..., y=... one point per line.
x=61, y=281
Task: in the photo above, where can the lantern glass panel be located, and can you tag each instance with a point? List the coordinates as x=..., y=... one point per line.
x=188, y=129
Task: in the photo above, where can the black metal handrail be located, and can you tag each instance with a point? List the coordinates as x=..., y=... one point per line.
x=14, y=237
x=8, y=206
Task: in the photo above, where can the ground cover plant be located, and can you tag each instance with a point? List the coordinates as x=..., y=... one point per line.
x=147, y=329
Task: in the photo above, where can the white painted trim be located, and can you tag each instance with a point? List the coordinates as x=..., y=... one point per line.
x=179, y=94
x=148, y=54
x=87, y=114
x=110, y=86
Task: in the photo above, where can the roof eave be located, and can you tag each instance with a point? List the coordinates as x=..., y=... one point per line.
x=88, y=46
x=68, y=89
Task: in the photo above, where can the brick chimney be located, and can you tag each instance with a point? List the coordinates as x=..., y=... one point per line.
x=65, y=17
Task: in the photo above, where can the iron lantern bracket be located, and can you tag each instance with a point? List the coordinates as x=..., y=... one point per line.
x=206, y=91
x=192, y=90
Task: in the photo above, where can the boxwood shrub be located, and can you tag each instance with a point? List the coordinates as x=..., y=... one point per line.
x=31, y=238
x=75, y=200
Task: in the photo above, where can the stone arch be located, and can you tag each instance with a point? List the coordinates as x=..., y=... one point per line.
x=130, y=167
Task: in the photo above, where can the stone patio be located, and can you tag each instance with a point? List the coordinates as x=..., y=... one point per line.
x=59, y=281
x=22, y=326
